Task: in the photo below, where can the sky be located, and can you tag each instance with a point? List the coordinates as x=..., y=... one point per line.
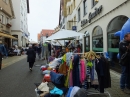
x=44, y=14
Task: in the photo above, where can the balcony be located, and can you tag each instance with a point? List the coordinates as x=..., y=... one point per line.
x=8, y=25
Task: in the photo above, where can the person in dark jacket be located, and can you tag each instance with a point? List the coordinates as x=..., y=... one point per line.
x=0, y=60
x=31, y=55
x=39, y=51
x=124, y=46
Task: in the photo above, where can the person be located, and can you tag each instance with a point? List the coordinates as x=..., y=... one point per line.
x=124, y=46
x=46, y=51
x=39, y=51
x=16, y=46
x=31, y=55
x=2, y=49
x=0, y=60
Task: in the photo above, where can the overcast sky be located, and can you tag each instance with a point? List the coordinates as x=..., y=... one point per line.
x=44, y=14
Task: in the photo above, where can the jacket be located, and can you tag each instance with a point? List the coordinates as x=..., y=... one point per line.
x=2, y=49
x=123, y=48
x=31, y=55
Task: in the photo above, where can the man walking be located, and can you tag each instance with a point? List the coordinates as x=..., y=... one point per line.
x=124, y=47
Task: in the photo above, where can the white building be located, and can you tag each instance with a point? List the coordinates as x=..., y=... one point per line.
x=19, y=24
x=98, y=20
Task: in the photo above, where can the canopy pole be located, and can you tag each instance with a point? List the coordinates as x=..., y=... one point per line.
x=59, y=42
x=69, y=44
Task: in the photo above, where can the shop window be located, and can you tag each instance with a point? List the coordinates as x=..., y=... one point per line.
x=113, y=41
x=97, y=39
x=114, y=26
x=87, y=41
x=85, y=6
x=79, y=14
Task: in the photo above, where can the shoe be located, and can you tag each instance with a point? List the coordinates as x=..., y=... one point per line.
x=30, y=69
x=126, y=90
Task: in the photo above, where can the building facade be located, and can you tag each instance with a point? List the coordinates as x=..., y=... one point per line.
x=45, y=33
x=20, y=24
x=99, y=20
x=6, y=15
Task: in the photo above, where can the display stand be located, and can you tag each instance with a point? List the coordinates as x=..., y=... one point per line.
x=94, y=91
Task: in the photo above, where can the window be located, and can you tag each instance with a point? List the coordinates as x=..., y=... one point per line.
x=79, y=14
x=85, y=6
x=97, y=39
x=7, y=20
x=21, y=25
x=69, y=10
x=2, y=18
x=74, y=3
x=7, y=1
x=22, y=10
x=94, y=2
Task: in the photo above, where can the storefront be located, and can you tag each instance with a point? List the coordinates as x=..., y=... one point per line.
x=102, y=27
x=6, y=39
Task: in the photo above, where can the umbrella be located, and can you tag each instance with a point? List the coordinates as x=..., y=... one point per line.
x=64, y=35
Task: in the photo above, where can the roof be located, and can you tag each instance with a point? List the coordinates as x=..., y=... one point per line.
x=38, y=36
x=46, y=32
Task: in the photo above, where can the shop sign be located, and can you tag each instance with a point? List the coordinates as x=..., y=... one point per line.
x=83, y=22
x=94, y=14
x=91, y=16
x=74, y=28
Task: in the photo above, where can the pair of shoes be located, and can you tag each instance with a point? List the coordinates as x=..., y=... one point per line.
x=126, y=90
x=30, y=69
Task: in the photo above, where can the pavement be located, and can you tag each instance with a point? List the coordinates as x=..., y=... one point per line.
x=114, y=91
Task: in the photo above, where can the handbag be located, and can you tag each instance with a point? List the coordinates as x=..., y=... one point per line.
x=123, y=61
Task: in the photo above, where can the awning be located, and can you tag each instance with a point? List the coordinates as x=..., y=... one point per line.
x=7, y=35
x=65, y=35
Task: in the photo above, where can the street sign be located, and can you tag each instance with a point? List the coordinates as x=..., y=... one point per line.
x=74, y=28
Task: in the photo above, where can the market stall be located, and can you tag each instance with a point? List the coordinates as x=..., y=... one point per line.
x=74, y=74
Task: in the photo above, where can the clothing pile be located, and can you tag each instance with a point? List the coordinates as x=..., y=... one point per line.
x=76, y=75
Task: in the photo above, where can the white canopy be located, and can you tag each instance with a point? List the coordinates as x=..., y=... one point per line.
x=58, y=43
x=64, y=35
x=33, y=42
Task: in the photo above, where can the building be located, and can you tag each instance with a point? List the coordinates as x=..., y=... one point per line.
x=45, y=33
x=38, y=37
x=6, y=15
x=19, y=24
x=56, y=29
x=99, y=20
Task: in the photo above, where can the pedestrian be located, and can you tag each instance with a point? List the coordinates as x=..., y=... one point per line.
x=124, y=46
x=39, y=51
x=0, y=60
x=31, y=55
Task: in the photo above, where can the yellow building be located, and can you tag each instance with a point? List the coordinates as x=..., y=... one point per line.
x=6, y=14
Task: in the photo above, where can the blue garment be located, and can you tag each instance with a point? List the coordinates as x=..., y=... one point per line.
x=75, y=71
x=70, y=89
x=56, y=91
x=2, y=49
x=123, y=79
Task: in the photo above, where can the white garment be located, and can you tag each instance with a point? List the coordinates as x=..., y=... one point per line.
x=43, y=87
x=54, y=63
x=68, y=57
x=74, y=91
